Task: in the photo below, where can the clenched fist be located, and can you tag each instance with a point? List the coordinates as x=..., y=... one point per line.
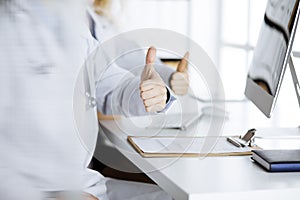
x=152, y=88
x=180, y=79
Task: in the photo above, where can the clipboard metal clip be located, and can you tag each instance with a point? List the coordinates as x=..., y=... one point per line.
x=243, y=141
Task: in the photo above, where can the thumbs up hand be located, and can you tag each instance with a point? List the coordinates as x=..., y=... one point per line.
x=180, y=79
x=152, y=88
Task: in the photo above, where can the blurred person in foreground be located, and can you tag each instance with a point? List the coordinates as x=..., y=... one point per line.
x=43, y=46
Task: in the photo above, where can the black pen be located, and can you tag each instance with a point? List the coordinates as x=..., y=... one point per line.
x=234, y=142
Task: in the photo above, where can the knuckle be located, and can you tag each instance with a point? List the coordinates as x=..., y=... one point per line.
x=143, y=95
x=146, y=102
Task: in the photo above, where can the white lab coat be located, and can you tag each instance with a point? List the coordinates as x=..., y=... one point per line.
x=47, y=129
x=41, y=53
x=124, y=66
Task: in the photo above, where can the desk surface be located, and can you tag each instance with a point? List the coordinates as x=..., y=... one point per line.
x=214, y=177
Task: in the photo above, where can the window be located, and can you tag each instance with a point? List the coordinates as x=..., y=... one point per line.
x=241, y=21
x=226, y=29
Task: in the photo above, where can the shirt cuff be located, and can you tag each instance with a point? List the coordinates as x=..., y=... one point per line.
x=170, y=100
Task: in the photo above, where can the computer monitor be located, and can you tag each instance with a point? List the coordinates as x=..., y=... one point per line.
x=272, y=53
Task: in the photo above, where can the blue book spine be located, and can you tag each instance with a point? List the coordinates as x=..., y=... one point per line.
x=285, y=167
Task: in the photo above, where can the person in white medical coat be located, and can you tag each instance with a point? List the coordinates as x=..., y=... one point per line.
x=104, y=30
x=43, y=151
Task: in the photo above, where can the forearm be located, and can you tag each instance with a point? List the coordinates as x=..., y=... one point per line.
x=124, y=99
x=123, y=92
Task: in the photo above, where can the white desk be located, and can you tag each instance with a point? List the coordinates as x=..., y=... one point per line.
x=215, y=177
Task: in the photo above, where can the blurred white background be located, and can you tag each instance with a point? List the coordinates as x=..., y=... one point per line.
x=226, y=29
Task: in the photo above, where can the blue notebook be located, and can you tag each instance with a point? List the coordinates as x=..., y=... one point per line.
x=278, y=160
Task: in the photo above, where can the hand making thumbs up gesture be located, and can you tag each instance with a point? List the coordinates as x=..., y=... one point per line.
x=152, y=88
x=180, y=80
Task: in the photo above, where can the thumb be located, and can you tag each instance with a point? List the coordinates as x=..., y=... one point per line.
x=183, y=64
x=148, y=69
x=151, y=54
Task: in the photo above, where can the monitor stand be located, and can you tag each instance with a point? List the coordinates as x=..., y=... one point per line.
x=295, y=79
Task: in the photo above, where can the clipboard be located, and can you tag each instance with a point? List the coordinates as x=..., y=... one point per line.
x=168, y=146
